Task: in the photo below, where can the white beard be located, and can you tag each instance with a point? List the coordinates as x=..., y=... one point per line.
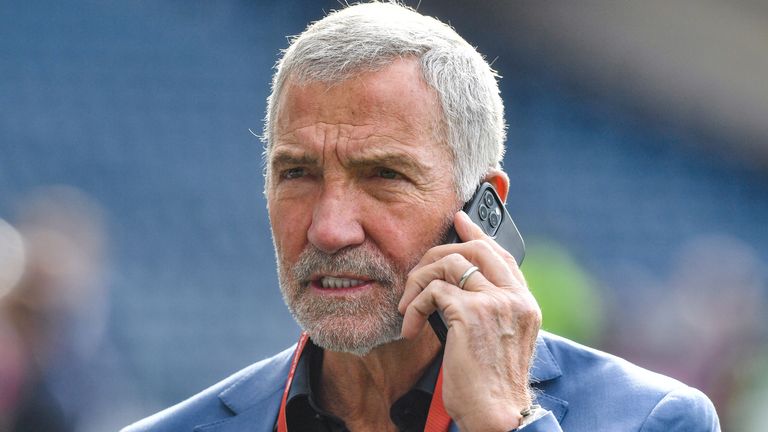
x=354, y=324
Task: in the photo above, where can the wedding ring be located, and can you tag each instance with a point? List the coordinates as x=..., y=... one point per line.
x=466, y=276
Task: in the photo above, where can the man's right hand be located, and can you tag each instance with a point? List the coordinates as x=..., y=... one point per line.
x=492, y=324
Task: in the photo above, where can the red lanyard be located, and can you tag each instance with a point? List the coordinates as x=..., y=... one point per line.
x=437, y=419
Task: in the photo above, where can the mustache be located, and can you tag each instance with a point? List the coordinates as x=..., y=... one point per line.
x=360, y=260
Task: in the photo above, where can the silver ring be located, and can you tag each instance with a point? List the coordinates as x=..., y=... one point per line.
x=466, y=276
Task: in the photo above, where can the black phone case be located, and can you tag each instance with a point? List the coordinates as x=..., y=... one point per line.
x=487, y=210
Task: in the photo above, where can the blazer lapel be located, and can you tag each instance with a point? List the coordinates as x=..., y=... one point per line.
x=254, y=399
x=259, y=418
x=545, y=368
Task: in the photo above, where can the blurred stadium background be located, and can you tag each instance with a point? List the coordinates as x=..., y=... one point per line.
x=136, y=265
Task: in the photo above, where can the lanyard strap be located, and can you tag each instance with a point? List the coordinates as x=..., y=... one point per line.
x=282, y=424
x=438, y=419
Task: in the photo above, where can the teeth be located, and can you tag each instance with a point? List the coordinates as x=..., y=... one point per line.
x=333, y=282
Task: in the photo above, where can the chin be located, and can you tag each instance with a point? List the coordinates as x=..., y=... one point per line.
x=354, y=325
x=353, y=335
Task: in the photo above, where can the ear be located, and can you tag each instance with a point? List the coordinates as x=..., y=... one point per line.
x=500, y=181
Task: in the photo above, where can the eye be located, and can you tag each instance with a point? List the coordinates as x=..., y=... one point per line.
x=293, y=173
x=388, y=174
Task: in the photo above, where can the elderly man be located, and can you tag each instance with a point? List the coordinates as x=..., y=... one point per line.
x=381, y=124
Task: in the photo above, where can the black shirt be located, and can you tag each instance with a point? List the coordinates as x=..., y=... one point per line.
x=408, y=413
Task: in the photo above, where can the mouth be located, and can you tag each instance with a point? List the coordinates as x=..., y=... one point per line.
x=339, y=284
x=330, y=282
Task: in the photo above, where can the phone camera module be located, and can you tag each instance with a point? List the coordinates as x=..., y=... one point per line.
x=488, y=197
x=482, y=211
x=494, y=219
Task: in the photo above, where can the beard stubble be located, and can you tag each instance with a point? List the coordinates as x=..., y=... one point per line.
x=357, y=323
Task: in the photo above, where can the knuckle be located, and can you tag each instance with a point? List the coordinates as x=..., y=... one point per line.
x=434, y=288
x=521, y=303
x=431, y=286
x=481, y=245
x=484, y=304
x=530, y=312
x=454, y=259
x=409, y=279
x=475, y=308
x=508, y=256
x=490, y=303
x=432, y=254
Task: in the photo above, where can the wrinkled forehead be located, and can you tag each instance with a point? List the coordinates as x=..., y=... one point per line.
x=396, y=93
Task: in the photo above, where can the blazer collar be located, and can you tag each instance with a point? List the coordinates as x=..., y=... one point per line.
x=544, y=366
x=255, y=397
x=544, y=369
x=256, y=400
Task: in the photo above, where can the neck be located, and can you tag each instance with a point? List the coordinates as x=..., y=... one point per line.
x=361, y=390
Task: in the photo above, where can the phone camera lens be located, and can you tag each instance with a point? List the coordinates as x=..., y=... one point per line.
x=482, y=211
x=489, y=201
x=493, y=219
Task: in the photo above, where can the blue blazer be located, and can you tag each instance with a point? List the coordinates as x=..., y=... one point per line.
x=585, y=390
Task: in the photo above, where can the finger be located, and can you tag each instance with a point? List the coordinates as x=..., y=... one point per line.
x=477, y=283
x=438, y=295
x=444, y=269
x=451, y=269
x=476, y=252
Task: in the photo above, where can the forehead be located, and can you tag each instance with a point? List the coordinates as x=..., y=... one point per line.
x=394, y=99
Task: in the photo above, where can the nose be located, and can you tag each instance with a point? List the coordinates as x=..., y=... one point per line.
x=336, y=220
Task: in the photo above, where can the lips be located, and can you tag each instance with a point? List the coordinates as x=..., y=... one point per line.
x=330, y=282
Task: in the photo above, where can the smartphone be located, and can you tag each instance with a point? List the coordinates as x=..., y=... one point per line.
x=487, y=210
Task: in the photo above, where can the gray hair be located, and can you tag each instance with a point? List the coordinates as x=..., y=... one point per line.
x=370, y=36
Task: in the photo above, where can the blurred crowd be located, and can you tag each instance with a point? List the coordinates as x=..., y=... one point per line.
x=702, y=323
x=55, y=365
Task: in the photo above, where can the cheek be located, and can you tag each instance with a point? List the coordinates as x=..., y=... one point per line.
x=289, y=224
x=408, y=233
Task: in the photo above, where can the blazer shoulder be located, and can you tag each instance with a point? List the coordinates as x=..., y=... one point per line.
x=584, y=365
x=261, y=379
x=683, y=409
x=627, y=396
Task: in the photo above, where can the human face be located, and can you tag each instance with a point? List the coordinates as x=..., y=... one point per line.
x=360, y=186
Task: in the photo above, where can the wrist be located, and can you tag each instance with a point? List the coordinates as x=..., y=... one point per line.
x=498, y=416
x=531, y=414
x=490, y=422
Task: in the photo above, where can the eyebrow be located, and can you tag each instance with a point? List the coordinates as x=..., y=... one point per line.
x=396, y=160
x=282, y=158
x=393, y=160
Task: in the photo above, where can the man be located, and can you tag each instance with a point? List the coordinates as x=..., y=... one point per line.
x=381, y=124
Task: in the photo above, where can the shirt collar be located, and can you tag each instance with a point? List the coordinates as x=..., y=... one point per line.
x=302, y=385
x=312, y=361
x=310, y=364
